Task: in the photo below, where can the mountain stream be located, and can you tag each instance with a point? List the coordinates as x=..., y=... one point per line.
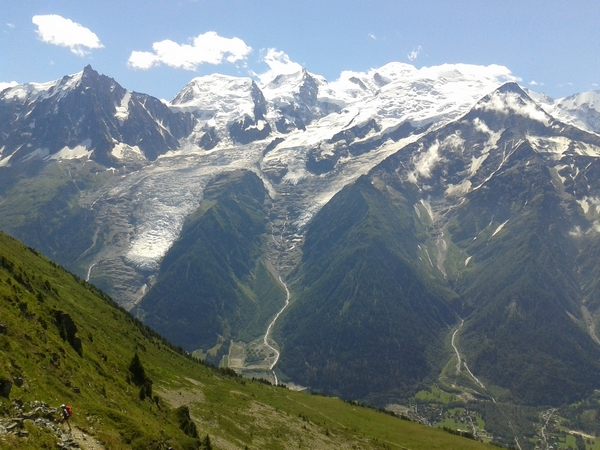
x=279, y=230
x=270, y=327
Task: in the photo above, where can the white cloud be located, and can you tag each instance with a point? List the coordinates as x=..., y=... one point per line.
x=206, y=48
x=414, y=54
x=279, y=64
x=10, y=25
x=372, y=36
x=56, y=30
x=7, y=85
x=535, y=83
x=511, y=102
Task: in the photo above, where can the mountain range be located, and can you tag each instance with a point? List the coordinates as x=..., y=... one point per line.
x=366, y=237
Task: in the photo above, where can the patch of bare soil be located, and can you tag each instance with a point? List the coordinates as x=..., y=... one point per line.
x=84, y=440
x=180, y=397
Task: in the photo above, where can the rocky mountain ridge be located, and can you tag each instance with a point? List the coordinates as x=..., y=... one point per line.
x=86, y=115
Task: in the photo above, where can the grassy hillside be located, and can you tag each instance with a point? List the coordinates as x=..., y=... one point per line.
x=62, y=341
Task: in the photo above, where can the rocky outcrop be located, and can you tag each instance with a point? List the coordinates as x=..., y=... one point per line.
x=41, y=415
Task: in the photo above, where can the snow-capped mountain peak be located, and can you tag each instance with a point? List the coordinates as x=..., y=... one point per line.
x=229, y=109
x=581, y=110
x=590, y=100
x=30, y=92
x=584, y=108
x=217, y=93
x=86, y=111
x=286, y=86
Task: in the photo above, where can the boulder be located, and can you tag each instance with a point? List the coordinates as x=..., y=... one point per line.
x=5, y=387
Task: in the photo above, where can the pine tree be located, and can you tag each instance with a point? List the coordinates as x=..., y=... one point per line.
x=139, y=378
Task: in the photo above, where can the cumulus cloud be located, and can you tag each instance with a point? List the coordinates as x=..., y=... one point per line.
x=414, y=54
x=279, y=64
x=7, y=85
x=535, y=83
x=56, y=30
x=207, y=48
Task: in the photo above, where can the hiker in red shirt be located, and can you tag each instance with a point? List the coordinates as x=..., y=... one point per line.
x=67, y=412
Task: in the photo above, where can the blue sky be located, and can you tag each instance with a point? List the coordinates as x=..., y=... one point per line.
x=157, y=47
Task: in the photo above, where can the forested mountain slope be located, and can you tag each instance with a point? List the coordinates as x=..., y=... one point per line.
x=215, y=280
x=488, y=219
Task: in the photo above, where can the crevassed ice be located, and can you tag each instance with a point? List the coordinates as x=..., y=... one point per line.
x=159, y=228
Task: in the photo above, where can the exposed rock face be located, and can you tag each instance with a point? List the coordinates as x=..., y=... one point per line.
x=247, y=130
x=210, y=139
x=41, y=415
x=295, y=101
